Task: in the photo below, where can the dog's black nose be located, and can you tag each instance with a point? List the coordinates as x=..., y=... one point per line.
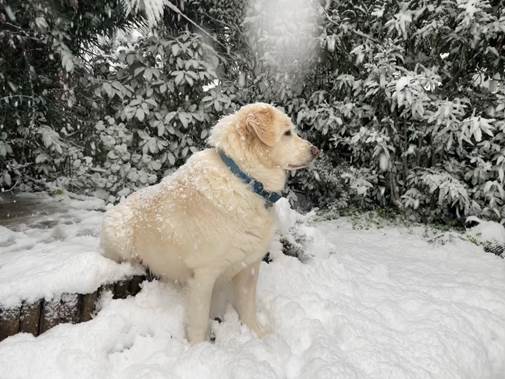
x=314, y=151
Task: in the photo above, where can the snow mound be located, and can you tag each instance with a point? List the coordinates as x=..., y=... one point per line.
x=45, y=254
x=368, y=304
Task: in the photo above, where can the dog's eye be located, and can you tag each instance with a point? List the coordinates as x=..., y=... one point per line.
x=287, y=133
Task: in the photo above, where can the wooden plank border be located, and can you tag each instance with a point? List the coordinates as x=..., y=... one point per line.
x=42, y=315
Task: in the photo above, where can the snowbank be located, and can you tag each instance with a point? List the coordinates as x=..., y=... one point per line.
x=54, y=250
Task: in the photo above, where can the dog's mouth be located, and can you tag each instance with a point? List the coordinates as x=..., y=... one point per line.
x=302, y=165
x=298, y=167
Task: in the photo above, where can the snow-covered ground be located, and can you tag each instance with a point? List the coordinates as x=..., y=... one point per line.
x=376, y=303
x=50, y=247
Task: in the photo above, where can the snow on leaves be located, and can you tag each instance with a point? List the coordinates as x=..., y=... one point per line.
x=161, y=109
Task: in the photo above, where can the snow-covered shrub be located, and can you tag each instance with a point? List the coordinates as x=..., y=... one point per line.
x=161, y=98
x=43, y=108
x=295, y=232
x=406, y=99
x=323, y=181
x=423, y=120
x=436, y=193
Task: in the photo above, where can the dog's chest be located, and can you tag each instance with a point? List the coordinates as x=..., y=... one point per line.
x=247, y=241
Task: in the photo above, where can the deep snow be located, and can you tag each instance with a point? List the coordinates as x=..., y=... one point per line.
x=376, y=303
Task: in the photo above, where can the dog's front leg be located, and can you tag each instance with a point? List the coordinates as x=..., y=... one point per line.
x=244, y=297
x=198, y=298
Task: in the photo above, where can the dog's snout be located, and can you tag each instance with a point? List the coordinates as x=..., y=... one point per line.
x=314, y=151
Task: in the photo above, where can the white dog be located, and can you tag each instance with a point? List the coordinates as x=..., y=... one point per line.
x=212, y=220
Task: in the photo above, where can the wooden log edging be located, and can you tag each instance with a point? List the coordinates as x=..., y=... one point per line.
x=42, y=315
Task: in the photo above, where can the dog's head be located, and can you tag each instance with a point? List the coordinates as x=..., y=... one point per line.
x=269, y=135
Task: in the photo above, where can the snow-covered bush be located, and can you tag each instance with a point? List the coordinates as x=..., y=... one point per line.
x=43, y=107
x=407, y=100
x=160, y=97
x=422, y=121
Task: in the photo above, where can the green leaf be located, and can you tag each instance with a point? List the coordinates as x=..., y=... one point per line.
x=161, y=128
x=41, y=23
x=179, y=77
x=185, y=119
x=108, y=89
x=169, y=117
x=67, y=61
x=7, y=179
x=130, y=58
x=140, y=114
x=138, y=71
x=171, y=158
x=151, y=102
x=148, y=74
x=176, y=49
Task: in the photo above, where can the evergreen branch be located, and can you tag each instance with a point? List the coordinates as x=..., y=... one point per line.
x=357, y=32
x=177, y=10
x=7, y=98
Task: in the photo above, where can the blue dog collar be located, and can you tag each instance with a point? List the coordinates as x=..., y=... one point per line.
x=256, y=186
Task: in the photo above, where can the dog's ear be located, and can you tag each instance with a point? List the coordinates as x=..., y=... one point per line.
x=260, y=122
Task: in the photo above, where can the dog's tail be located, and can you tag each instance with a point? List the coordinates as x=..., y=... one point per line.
x=116, y=238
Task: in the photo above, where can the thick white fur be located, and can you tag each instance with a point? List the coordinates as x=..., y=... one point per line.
x=202, y=226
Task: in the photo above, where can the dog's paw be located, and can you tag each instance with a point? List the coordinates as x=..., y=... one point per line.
x=260, y=330
x=195, y=336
